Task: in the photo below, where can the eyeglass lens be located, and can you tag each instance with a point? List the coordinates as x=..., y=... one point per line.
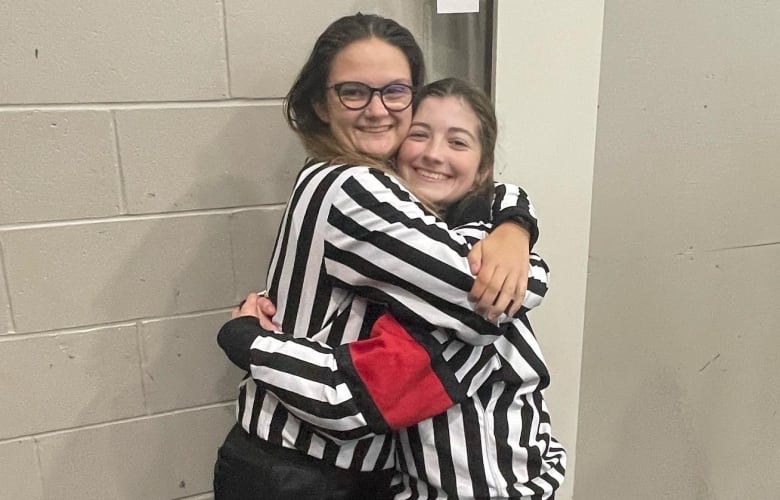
x=357, y=95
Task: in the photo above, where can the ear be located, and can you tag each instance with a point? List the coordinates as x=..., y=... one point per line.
x=322, y=110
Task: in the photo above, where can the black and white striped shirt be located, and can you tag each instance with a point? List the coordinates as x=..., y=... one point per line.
x=352, y=237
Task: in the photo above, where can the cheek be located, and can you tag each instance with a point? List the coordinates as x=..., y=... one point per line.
x=340, y=119
x=468, y=179
x=404, y=122
x=474, y=174
x=406, y=154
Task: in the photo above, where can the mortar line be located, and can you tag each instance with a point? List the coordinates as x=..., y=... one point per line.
x=141, y=364
x=39, y=462
x=4, y=273
x=231, y=241
x=227, y=49
x=128, y=420
x=196, y=496
x=73, y=330
x=120, y=170
x=143, y=105
x=137, y=217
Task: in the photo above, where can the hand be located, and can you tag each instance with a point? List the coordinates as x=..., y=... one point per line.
x=247, y=307
x=500, y=263
x=260, y=307
x=265, y=313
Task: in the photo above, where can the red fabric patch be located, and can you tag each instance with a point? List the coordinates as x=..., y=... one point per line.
x=398, y=375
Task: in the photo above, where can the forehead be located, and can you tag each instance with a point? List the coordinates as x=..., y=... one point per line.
x=447, y=112
x=371, y=61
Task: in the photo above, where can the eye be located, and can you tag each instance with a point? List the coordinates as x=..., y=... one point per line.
x=459, y=143
x=397, y=92
x=418, y=134
x=353, y=91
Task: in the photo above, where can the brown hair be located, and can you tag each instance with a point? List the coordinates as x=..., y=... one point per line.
x=309, y=86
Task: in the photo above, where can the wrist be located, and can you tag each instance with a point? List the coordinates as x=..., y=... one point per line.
x=515, y=230
x=513, y=219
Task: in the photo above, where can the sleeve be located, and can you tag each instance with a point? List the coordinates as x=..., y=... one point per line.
x=399, y=377
x=311, y=379
x=511, y=204
x=383, y=246
x=538, y=283
x=379, y=243
x=393, y=380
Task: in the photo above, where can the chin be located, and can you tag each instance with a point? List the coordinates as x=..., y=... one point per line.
x=378, y=149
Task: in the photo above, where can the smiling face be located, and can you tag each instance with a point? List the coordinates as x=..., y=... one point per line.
x=372, y=130
x=439, y=159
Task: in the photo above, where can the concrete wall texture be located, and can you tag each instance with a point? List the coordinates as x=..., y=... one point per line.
x=144, y=166
x=679, y=394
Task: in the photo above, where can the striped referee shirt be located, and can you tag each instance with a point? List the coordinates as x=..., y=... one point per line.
x=352, y=238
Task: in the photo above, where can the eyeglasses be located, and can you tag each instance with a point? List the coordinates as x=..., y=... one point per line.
x=357, y=95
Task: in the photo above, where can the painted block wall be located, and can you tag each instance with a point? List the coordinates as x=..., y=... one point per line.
x=144, y=166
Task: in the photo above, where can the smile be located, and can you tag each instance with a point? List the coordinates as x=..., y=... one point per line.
x=376, y=130
x=431, y=176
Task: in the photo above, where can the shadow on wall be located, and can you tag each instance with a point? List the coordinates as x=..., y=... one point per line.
x=185, y=270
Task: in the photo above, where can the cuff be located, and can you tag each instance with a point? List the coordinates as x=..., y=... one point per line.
x=236, y=338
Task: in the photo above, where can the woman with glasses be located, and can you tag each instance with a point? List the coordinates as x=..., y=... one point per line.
x=353, y=243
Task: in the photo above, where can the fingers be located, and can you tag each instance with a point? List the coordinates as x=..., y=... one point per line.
x=249, y=306
x=505, y=297
x=498, y=291
x=521, y=280
x=265, y=305
x=475, y=258
x=266, y=323
x=485, y=291
x=518, y=296
x=265, y=313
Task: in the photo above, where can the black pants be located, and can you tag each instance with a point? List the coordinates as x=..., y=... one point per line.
x=249, y=468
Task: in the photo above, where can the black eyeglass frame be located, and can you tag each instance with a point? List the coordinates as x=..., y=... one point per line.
x=372, y=90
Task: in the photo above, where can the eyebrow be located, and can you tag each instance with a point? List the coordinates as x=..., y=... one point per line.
x=404, y=81
x=449, y=130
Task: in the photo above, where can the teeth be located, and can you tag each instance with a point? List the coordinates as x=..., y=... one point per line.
x=434, y=176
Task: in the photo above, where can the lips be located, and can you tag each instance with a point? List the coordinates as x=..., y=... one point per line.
x=376, y=129
x=431, y=176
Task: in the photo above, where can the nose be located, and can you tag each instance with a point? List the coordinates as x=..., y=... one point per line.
x=433, y=152
x=375, y=105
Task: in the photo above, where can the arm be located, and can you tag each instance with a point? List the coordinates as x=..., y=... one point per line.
x=383, y=246
x=511, y=204
x=500, y=261
x=374, y=238
x=406, y=397
x=395, y=379
x=356, y=390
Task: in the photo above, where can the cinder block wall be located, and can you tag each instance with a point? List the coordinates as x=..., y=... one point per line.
x=144, y=165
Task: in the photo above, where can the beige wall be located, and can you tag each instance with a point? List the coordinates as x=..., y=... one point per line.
x=137, y=204
x=144, y=164
x=677, y=389
x=547, y=77
x=679, y=395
